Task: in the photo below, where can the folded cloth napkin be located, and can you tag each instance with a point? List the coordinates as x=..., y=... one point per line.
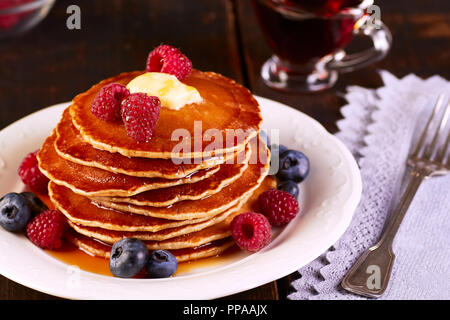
x=378, y=128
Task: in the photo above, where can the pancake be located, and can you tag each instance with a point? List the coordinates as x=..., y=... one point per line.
x=227, y=107
x=82, y=211
x=111, y=236
x=100, y=249
x=72, y=147
x=227, y=174
x=193, y=239
x=92, y=182
x=210, y=206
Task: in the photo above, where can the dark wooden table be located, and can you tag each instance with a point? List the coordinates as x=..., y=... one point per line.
x=51, y=64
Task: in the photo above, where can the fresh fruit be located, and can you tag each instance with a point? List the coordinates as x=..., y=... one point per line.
x=251, y=231
x=278, y=206
x=8, y=21
x=31, y=175
x=34, y=203
x=107, y=104
x=161, y=264
x=140, y=113
x=290, y=187
x=46, y=229
x=294, y=166
x=14, y=212
x=167, y=59
x=282, y=148
x=128, y=257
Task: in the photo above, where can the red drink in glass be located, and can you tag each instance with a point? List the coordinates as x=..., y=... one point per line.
x=304, y=35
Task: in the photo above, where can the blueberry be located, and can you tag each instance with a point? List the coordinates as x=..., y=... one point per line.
x=282, y=148
x=161, y=264
x=289, y=186
x=128, y=257
x=264, y=137
x=294, y=166
x=14, y=212
x=34, y=203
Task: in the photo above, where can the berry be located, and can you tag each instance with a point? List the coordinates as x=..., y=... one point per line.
x=34, y=203
x=290, y=187
x=278, y=206
x=31, y=175
x=14, y=212
x=8, y=21
x=107, y=104
x=161, y=264
x=46, y=229
x=128, y=257
x=140, y=113
x=167, y=59
x=282, y=148
x=294, y=166
x=251, y=231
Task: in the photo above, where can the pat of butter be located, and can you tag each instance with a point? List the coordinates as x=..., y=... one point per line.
x=173, y=93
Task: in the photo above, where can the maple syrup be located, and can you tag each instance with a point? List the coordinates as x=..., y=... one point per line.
x=73, y=256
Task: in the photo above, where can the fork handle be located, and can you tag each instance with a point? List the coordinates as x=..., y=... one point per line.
x=371, y=272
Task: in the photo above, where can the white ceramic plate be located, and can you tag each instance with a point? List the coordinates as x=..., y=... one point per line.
x=328, y=199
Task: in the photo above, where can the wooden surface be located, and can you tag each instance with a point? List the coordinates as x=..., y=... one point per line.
x=51, y=64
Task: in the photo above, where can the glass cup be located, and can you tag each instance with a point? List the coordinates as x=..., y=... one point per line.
x=308, y=38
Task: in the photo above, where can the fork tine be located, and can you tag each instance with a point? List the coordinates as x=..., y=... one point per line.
x=444, y=150
x=421, y=141
x=446, y=145
x=431, y=149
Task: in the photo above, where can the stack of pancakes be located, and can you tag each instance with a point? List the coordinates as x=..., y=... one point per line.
x=174, y=194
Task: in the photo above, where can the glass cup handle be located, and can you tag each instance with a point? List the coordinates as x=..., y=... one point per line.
x=381, y=39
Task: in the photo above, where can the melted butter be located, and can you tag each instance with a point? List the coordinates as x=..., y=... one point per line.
x=167, y=86
x=173, y=93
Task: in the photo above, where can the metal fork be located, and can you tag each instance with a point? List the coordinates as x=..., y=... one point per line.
x=370, y=274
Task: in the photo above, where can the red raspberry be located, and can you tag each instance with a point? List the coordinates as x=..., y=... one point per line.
x=167, y=59
x=106, y=104
x=46, y=229
x=278, y=206
x=31, y=175
x=251, y=231
x=8, y=21
x=140, y=113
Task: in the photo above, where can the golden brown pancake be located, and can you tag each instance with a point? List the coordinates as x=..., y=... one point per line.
x=72, y=147
x=194, y=239
x=188, y=240
x=83, y=211
x=210, y=206
x=227, y=174
x=90, y=181
x=226, y=106
x=111, y=236
x=100, y=249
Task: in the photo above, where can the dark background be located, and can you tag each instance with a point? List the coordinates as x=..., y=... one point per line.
x=51, y=64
